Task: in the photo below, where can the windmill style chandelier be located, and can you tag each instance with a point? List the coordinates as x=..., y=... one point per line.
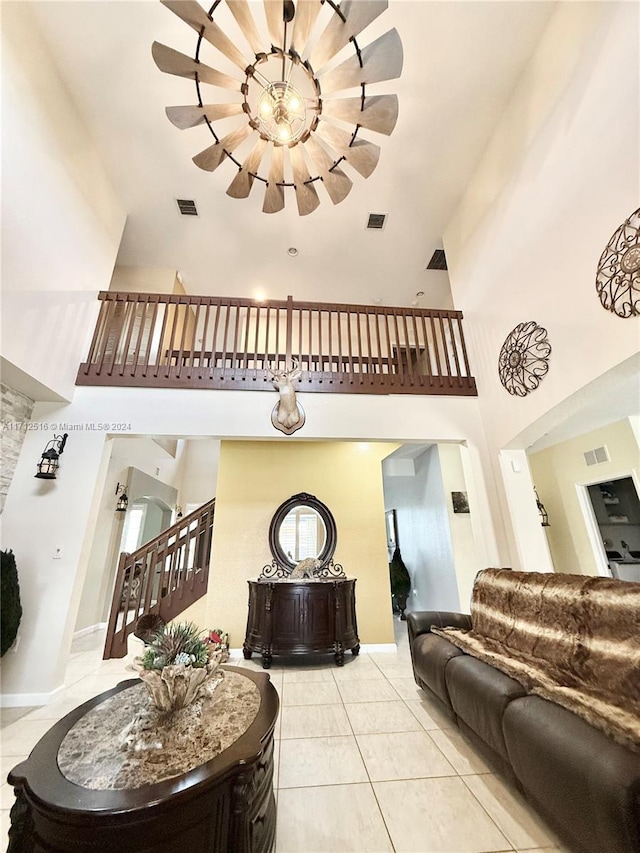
x=286, y=95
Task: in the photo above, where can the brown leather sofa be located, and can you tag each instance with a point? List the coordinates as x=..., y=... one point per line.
x=585, y=785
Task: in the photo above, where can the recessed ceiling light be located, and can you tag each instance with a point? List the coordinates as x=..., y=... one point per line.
x=292, y=251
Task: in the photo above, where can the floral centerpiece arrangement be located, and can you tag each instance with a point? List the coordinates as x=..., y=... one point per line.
x=179, y=665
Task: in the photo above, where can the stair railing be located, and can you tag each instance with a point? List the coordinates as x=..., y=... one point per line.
x=164, y=576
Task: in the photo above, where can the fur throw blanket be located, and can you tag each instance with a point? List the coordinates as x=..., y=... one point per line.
x=572, y=639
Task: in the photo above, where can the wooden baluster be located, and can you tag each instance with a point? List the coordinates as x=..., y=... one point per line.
x=265, y=364
x=369, y=363
x=445, y=348
x=236, y=329
x=115, y=606
x=255, y=342
x=104, y=341
x=289, y=330
x=437, y=350
x=359, y=333
x=454, y=347
x=392, y=366
x=172, y=337
x=427, y=349
x=245, y=354
x=464, y=347
x=398, y=354
x=320, y=345
x=152, y=326
x=140, y=315
x=191, y=357
x=408, y=347
x=97, y=332
x=419, y=372
x=350, y=344
x=214, y=344
x=160, y=355
x=205, y=329
x=130, y=319
x=118, y=327
x=224, y=340
x=183, y=336
x=376, y=314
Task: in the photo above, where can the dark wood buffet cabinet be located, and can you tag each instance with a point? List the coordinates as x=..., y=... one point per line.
x=301, y=617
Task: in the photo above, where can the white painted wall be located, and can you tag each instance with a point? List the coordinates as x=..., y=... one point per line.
x=200, y=471
x=61, y=222
x=147, y=456
x=424, y=532
x=41, y=516
x=559, y=176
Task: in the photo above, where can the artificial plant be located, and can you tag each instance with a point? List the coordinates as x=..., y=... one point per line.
x=10, y=607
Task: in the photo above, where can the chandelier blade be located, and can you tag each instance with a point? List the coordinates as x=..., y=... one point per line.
x=381, y=60
x=306, y=195
x=244, y=19
x=211, y=157
x=275, y=21
x=337, y=184
x=274, y=194
x=360, y=153
x=190, y=116
x=358, y=15
x=379, y=112
x=193, y=14
x=240, y=186
x=307, y=12
x=173, y=62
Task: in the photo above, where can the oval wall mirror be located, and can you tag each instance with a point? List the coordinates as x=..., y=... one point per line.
x=302, y=527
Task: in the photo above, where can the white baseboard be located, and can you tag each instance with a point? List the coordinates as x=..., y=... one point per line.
x=29, y=700
x=90, y=629
x=375, y=648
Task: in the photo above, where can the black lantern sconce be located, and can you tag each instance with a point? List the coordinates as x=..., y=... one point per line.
x=50, y=461
x=544, y=515
x=178, y=510
x=123, y=500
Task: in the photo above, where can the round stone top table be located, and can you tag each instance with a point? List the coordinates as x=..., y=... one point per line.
x=203, y=785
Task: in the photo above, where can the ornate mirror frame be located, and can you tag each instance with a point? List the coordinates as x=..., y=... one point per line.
x=282, y=566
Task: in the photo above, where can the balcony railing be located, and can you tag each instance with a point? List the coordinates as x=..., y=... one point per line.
x=174, y=341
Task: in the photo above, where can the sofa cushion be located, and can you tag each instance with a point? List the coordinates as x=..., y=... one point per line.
x=479, y=694
x=584, y=783
x=431, y=654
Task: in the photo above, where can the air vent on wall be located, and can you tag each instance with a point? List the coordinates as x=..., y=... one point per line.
x=596, y=456
x=438, y=261
x=187, y=206
x=377, y=221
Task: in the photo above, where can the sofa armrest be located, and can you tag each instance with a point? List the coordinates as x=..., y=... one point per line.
x=421, y=621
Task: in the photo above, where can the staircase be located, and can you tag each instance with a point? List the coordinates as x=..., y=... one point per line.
x=165, y=576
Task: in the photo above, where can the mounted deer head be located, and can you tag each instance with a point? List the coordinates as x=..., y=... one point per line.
x=288, y=415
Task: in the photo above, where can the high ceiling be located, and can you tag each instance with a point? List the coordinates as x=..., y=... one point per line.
x=462, y=61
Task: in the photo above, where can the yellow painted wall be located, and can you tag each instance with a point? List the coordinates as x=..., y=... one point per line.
x=557, y=471
x=254, y=478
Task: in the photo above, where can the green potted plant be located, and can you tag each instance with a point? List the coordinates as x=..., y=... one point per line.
x=400, y=582
x=178, y=666
x=10, y=607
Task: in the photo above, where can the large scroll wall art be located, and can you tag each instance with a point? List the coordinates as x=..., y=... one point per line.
x=524, y=358
x=618, y=276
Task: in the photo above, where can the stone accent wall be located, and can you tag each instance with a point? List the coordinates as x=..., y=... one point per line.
x=16, y=411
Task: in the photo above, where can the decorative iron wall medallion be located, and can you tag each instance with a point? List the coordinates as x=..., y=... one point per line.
x=524, y=358
x=618, y=276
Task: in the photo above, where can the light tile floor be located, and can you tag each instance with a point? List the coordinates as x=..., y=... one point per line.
x=364, y=761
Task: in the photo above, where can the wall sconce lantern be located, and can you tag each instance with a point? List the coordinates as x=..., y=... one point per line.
x=178, y=509
x=50, y=461
x=123, y=500
x=544, y=515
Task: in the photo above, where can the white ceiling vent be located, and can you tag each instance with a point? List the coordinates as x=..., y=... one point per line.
x=187, y=206
x=596, y=456
x=377, y=221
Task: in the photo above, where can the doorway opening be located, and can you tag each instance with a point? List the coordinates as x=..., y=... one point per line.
x=616, y=512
